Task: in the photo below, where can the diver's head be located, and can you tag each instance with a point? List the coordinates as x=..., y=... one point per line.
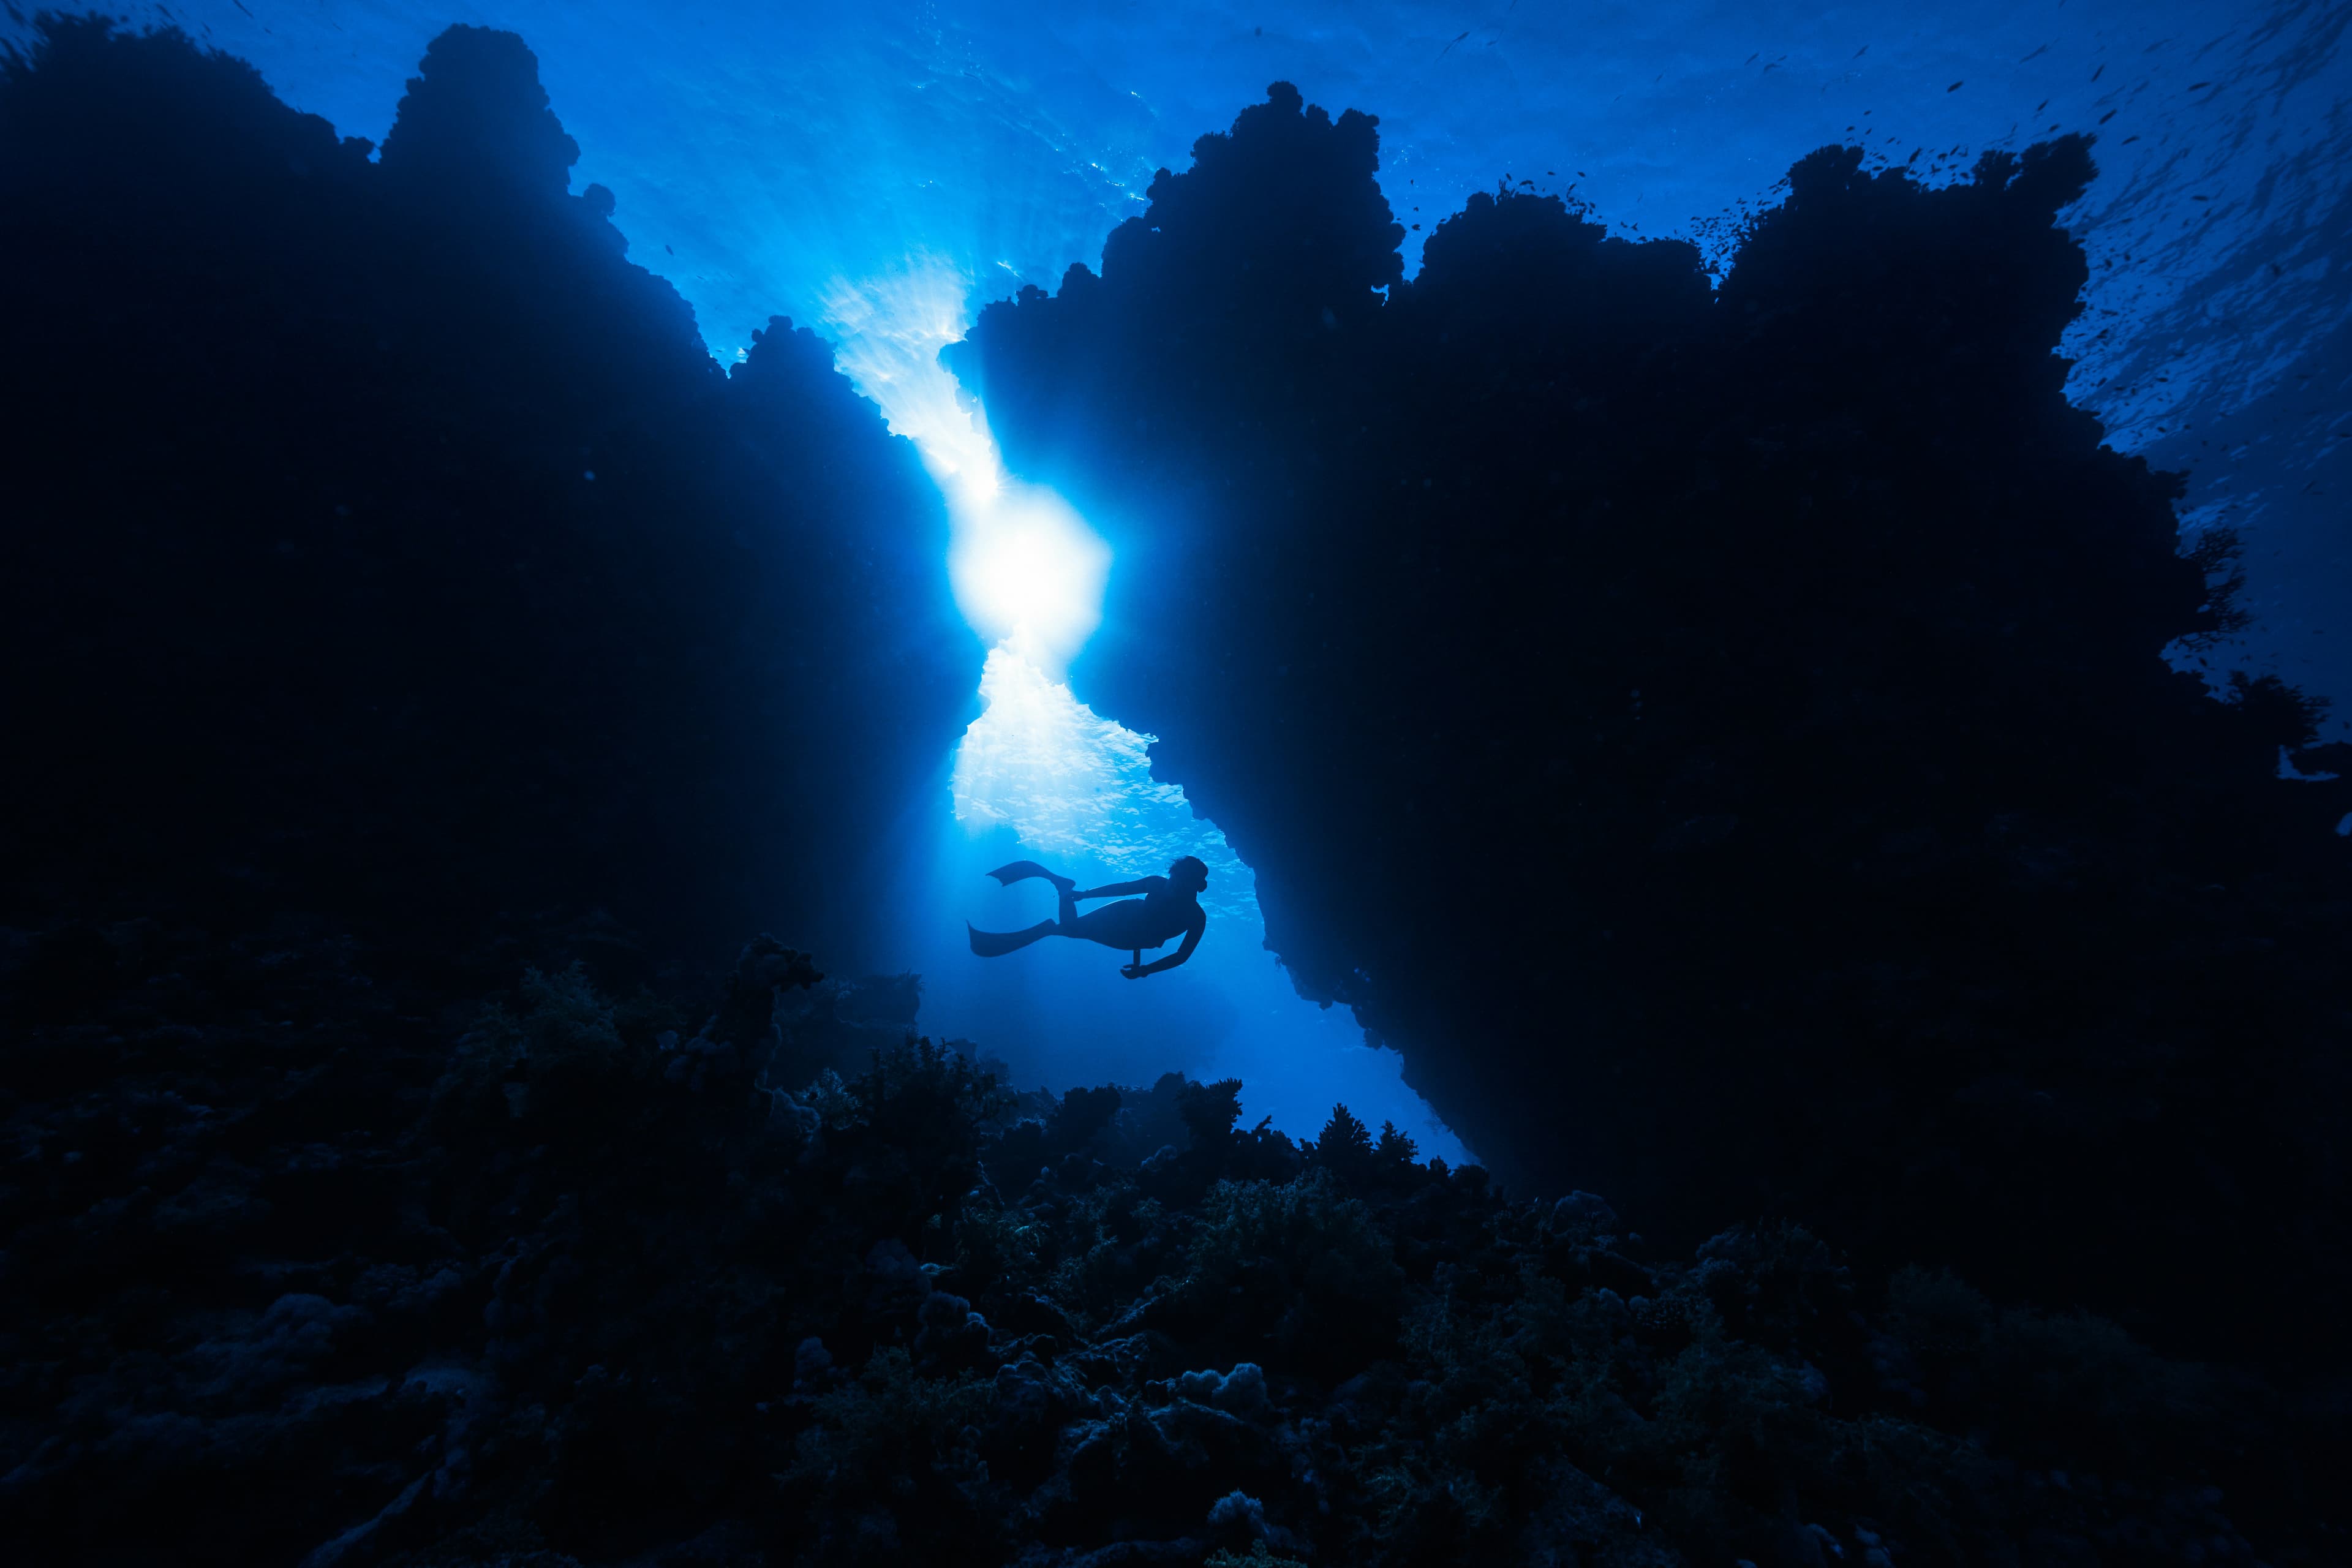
x=1188, y=873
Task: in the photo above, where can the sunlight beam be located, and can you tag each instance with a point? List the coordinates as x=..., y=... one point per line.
x=1026, y=571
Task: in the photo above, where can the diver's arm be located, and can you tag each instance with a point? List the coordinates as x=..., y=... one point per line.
x=1121, y=890
x=1184, y=951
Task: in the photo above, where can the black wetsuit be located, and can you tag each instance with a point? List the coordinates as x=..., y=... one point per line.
x=1133, y=924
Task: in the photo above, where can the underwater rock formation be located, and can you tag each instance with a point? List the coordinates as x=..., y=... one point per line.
x=310, y=1261
x=1723, y=737
x=380, y=539
x=383, y=543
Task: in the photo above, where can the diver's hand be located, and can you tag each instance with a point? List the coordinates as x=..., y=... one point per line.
x=1135, y=971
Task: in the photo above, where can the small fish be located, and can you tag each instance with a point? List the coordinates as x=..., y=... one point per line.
x=2195, y=85
x=1862, y=51
x=2110, y=114
x=1449, y=48
x=2036, y=54
x=1956, y=86
x=2100, y=72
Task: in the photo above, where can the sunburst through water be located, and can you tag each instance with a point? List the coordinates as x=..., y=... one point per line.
x=1039, y=774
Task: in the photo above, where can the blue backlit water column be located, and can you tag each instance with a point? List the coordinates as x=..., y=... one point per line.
x=1039, y=776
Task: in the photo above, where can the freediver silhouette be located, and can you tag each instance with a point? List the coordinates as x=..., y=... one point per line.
x=1171, y=906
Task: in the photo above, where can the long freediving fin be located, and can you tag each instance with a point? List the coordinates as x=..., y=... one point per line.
x=1022, y=870
x=997, y=943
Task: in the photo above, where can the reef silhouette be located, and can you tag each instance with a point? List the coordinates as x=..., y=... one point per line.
x=382, y=539
x=299, y=1273
x=1724, y=737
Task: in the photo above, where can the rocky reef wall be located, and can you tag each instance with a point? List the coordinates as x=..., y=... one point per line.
x=382, y=539
x=1725, y=733
x=312, y=1260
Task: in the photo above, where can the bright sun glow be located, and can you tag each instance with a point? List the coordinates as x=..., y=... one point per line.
x=1066, y=784
x=1026, y=571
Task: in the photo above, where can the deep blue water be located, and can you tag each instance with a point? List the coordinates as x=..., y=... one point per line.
x=880, y=170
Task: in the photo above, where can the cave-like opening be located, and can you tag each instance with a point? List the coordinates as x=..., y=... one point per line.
x=1037, y=774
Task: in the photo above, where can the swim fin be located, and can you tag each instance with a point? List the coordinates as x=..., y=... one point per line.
x=997, y=943
x=1022, y=870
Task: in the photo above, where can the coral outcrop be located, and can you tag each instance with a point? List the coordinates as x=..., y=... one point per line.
x=381, y=538
x=310, y=1261
x=1724, y=737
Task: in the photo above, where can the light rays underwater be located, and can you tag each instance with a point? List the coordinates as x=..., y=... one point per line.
x=761, y=154
x=871, y=171
x=1039, y=774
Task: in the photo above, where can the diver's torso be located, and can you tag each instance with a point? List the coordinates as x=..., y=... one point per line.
x=1157, y=917
x=1168, y=913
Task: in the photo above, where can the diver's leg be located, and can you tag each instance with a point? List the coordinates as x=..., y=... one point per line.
x=1067, y=907
x=1118, y=927
x=1022, y=870
x=996, y=944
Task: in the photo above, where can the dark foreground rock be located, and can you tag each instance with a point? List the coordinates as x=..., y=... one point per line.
x=381, y=537
x=1737, y=743
x=309, y=1259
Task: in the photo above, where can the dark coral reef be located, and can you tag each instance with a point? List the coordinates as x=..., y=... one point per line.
x=381, y=538
x=1724, y=737
x=310, y=1261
